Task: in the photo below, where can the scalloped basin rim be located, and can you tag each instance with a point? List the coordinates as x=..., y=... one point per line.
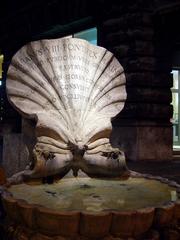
x=95, y=195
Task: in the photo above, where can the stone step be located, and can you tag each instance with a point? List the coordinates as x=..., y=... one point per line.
x=176, y=152
x=176, y=157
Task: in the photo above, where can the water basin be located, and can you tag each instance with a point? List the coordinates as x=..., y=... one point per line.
x=89, y=194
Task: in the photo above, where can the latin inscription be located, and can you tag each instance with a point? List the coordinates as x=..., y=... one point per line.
x=78, y=65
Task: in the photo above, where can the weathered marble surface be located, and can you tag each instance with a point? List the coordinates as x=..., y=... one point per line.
x=72, y=89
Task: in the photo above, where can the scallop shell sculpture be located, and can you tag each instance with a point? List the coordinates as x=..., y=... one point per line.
x=71, y=89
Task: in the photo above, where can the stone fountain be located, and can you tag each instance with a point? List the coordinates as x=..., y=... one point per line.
x=71, y=90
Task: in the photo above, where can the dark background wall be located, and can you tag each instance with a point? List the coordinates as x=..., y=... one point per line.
x=143, y=35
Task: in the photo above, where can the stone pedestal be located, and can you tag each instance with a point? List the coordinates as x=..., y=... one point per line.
x=144, y=141
x=15, y=153
x=17, y=148
x=143, y=129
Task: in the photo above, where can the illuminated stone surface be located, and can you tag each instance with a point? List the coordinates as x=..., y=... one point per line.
x=71, y=89
x=88, y=194
x=92, y=208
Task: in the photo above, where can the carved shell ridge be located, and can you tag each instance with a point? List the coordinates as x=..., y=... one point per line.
x=71, y=88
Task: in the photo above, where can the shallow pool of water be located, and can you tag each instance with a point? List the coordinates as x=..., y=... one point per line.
x=96, y=194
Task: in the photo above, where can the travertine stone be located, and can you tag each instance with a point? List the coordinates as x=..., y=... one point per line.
x=153, y=235
x=142, y=142
x=171, y=234
x=71, y=89
x=164, y=215
x=123, y=224
x=177, y=210
x=148, y=95
x=148, y=111
x=57, y=223
x=143, y=221
x=156, y=80
x=86, y=225
x=95, y=225
x=39, y=236
x=27, y=214
x=10, y=204
x=15, y=153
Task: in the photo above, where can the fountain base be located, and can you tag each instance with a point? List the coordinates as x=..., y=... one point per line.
x=86, y=208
